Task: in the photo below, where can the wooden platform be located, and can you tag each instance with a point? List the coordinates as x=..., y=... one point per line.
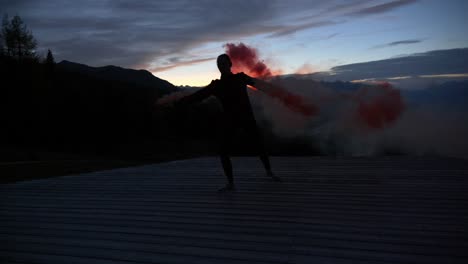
x=344, y=210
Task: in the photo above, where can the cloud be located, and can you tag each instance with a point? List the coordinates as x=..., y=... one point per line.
x=409, y=41
x=146, y=33
x=348, y=6
x=287, y=30
x=449, y=75
x=137, y=33
x=305, y=68
x=382, y=8
x=331, y=36
x=177, y=63
x=400, y=42
x=333, y=14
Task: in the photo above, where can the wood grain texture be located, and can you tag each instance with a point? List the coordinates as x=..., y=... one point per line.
x=327, y=210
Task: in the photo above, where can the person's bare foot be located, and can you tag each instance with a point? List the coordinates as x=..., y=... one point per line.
x=274, y=177
x=228, y=187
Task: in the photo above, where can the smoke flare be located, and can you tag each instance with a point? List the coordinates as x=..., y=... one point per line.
x=172, y=97
x=294, y=102
x=245, y=59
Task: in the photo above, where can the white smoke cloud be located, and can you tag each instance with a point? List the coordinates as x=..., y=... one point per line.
x=336, y=130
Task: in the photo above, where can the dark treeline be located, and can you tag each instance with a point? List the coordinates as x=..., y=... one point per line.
x=46, y=106
x=53, y=108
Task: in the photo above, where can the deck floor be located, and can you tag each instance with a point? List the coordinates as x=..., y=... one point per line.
x=327, y=210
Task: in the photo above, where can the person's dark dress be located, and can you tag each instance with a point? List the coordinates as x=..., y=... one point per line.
x=231, y=91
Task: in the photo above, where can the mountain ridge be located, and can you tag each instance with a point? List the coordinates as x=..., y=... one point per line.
x=117, y=73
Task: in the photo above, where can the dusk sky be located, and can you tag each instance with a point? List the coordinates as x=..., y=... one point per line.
x=179, y=40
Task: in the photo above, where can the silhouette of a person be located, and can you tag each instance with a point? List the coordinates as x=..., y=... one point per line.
x=231, y=91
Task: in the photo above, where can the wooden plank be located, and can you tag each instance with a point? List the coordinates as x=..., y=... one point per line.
x=328, y=210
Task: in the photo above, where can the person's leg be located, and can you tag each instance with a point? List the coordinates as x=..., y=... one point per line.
x=266, y=163
x=260, y=149
x=227, y=167
x=264, y=157
x=224, y=138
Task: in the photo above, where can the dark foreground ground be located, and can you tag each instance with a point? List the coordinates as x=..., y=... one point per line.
x=30, y=170
x=344, y=210
x=22, y=164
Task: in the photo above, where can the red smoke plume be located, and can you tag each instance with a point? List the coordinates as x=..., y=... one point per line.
x=378, y=106
x=245, y=59
x=294, y=102
x=382, y=109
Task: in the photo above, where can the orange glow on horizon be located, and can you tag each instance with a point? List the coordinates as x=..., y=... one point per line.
x=187, y=77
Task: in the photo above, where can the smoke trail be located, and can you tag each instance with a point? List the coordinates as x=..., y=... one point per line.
x=379, y=106
x=305, y=68
x=173, y=97
x=245, y=59
x=294, y=102
x=354, y=119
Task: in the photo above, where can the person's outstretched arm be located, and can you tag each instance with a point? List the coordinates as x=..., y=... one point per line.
x=259, y=84
x=198, y=96
x=262, y=85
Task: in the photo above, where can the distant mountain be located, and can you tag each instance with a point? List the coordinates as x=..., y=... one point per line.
x=114, y=73
x=428, y=63
x=449, y=96
x=413, y=71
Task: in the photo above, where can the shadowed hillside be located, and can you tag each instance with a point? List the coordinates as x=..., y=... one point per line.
x=114, y=73
x=74, y=108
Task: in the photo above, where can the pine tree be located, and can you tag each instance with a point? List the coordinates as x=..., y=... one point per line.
x=49, y=62
x=50, y=58
x=18, y=40
x=2, y=50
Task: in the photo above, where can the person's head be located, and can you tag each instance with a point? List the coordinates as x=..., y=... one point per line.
x=224, y=63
